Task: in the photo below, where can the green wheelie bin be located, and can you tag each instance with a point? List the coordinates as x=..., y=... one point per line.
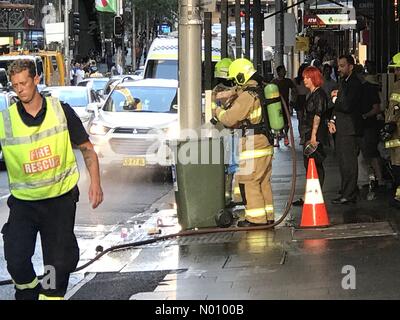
x=199, y=183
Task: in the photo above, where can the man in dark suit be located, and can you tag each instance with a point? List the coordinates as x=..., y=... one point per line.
x=346, y=122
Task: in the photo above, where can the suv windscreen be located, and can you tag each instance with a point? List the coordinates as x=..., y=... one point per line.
x=142, y=99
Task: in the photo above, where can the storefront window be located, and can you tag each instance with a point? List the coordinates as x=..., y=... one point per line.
x=35, y=40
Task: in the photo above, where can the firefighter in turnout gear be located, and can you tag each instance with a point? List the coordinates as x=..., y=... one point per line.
x=36, y=136
x=255, y=157
x=391, y=130
x=223, y=93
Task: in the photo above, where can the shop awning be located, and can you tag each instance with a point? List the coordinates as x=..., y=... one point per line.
x=15, y=6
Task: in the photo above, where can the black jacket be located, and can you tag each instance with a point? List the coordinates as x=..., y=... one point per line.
x=347, y=107
x=316, y=104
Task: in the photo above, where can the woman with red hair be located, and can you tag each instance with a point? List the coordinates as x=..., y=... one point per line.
x=314, y=126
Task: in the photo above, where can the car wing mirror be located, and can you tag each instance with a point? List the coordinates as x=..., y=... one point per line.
x=93, y=107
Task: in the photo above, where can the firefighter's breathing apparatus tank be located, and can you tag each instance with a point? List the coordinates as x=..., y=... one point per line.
x=274, y=107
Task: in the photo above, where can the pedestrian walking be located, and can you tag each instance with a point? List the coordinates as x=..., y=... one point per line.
x=346, y=122
x=80, y=73
x=370, y=108
x=302, y=92
x=36, y=136
x=72, y=73
x=329, y=84
x=113, y=71
x=286, y=86
x=95, y=73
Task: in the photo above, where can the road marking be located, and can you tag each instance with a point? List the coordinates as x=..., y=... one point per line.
x=74, y=289
x=4, y=197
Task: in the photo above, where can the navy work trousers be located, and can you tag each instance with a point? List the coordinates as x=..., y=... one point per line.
x=54, y=219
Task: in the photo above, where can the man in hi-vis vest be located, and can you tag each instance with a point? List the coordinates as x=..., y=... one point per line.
x=36, y=136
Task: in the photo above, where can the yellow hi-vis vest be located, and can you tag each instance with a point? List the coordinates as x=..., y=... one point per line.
x=39, y=159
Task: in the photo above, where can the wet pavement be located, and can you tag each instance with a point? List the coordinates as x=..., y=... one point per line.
x=355, y=258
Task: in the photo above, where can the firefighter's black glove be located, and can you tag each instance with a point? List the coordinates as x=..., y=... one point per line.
x=387, y=131
x=214, y=120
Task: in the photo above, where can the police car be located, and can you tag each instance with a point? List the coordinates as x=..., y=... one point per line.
x=162, y=59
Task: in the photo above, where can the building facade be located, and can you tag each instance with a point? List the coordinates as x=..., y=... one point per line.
x=23, y=28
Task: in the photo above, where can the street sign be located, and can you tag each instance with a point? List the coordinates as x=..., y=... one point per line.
x=302, y=44
x=54, y=32
x=208, y=5
x=289, y=29
x=329, y=20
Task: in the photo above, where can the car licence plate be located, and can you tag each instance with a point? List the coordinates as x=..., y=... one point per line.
x=134, y=162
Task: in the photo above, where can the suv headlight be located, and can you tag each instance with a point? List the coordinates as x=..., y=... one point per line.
x=98, y=129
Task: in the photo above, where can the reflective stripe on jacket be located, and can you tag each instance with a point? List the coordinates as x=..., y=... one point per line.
x=26, y=286
x=258, y=153
x=392, y=143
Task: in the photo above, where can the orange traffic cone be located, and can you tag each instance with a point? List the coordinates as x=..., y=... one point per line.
x=314, y=211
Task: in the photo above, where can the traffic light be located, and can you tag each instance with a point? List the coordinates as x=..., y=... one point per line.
x=118, y=26
x=299, y=21
x=76, y=27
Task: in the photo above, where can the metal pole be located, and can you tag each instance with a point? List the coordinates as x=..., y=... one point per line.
x=76, y=37
x=279, y=33
x=123, y=60
x=118, y=53
x=377, y=38
x=238, y=25
x=208, y=70
x=294, y=65
x=147, y=32
x=67, y=56
x=385, y=35
x=190, y=65
x=207, y=51
x=133, y=37
x=224, y=31
x=60, y=13
x=257, y=36
x=247, y=28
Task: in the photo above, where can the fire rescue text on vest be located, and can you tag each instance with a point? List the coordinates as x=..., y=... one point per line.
x=42, y=164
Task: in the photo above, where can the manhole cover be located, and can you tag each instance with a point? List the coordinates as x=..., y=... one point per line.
x=351, y=230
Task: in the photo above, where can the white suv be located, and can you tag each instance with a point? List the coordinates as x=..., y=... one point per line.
x=132, y=127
